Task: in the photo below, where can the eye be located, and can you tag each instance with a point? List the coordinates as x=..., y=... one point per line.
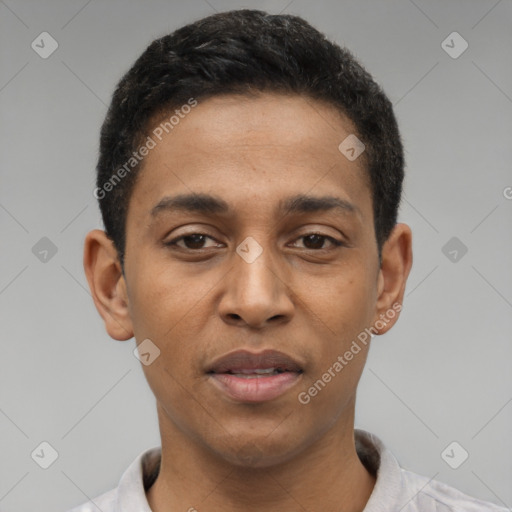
x=195, y=241
x=192, y=241
x=316, y=241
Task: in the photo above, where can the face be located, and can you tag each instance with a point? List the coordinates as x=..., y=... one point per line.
x=277, y=259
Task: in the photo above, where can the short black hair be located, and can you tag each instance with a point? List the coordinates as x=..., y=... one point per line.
x=245, y=52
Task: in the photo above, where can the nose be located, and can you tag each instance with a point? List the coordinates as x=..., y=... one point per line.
x=256, y=293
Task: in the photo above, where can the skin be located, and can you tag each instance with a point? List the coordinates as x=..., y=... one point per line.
x=308, y=299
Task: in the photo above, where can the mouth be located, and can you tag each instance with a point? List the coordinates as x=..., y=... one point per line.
x=254, y=377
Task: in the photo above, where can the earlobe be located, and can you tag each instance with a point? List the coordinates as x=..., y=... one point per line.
x=394, y=271
x=107, y=285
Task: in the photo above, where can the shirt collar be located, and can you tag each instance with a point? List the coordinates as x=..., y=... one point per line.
x=131, y=491
x=382, y=463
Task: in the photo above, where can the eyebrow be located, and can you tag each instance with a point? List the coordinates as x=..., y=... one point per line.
x=208, y=204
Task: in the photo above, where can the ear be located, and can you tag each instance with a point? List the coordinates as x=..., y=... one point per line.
x=107, y=284
x=394, y=271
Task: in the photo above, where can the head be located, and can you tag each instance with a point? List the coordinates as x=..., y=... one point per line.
x=243, y=52
x=284, y=241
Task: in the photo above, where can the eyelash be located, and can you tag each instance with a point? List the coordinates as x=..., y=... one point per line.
x=173, y=243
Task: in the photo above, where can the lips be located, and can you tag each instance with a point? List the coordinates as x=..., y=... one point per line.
x=254, y=377
x=243, y=361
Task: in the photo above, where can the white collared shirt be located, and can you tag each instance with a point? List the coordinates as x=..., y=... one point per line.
x=395, y=490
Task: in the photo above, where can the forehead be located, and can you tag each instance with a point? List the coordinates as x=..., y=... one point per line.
x=244, y=148
x=236, y=121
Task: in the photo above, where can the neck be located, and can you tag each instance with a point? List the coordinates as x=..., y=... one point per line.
x=328, y=475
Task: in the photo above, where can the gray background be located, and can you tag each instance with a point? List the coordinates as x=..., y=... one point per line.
x=441, y=375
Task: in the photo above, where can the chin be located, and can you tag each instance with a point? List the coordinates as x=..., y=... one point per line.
x=253, y=458
x=257, y=452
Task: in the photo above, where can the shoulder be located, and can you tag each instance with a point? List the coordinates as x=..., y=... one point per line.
x=421, y=494
x=105, y=502
x=397, y=489
x=130, y=493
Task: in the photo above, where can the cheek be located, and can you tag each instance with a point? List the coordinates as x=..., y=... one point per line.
x=330, y=386
x=162, y=300
x=330, y=393
x=171, y=309
x=167, y=310
x=343, y=305
x=341, y=309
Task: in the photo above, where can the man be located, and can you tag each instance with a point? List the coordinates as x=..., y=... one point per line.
x=249, y=178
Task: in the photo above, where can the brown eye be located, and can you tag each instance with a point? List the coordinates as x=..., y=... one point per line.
x=195, y=241
x=192, y=241
x=315, y=241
